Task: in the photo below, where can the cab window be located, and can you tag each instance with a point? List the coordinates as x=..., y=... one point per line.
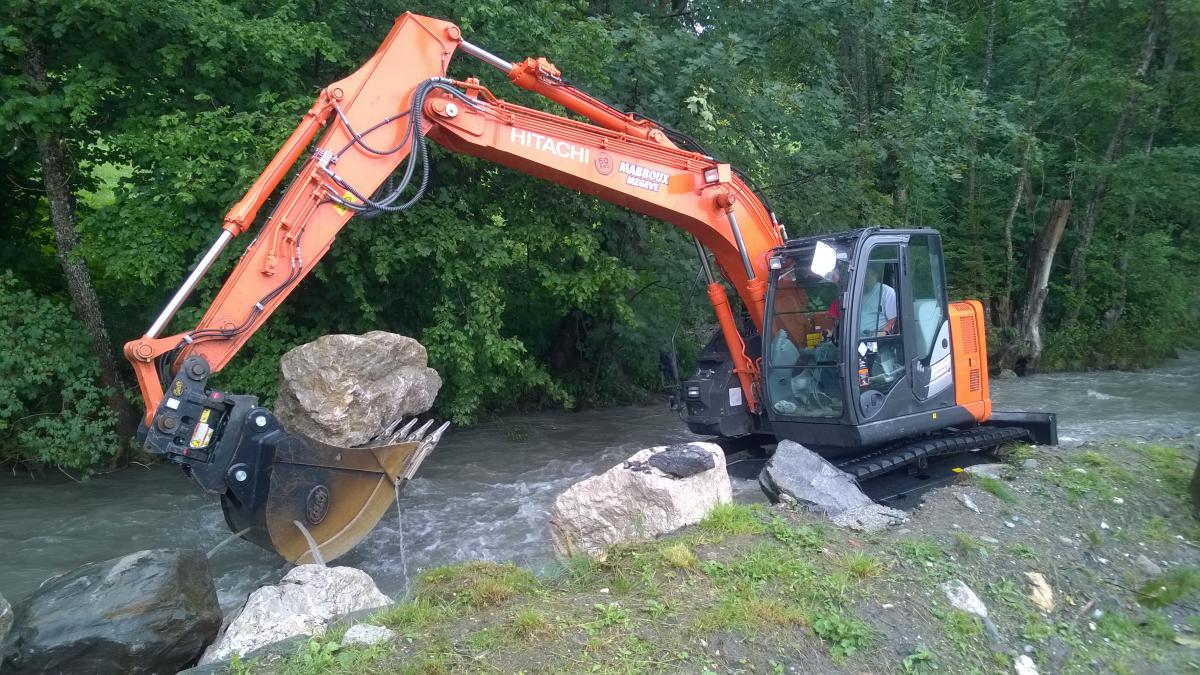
x=802, y=364
x=880, y=345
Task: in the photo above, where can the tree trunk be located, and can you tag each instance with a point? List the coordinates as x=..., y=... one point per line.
x=1113, y=316
x=1087, y=226
x=1025, y=351
x=972, y=169
x=61, y=201
x=1004, y=303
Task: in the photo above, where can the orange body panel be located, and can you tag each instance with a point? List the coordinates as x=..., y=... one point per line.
x=968, y=333
x=624, y=160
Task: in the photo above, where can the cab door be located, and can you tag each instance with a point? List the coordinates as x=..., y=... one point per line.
x=926, y=323
x=880, y=345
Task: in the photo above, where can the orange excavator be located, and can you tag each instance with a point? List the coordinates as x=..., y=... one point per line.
x=845, y=343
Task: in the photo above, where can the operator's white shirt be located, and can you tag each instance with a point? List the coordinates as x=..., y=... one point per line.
x=878, y=308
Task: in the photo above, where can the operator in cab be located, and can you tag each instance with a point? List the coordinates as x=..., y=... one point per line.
x=878, y=315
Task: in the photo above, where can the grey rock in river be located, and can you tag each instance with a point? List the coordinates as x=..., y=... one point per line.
x=147, y=612
x=343, y=389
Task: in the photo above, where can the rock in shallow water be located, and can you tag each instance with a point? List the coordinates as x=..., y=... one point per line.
x=147, y=612
x=343, y=389
x=305, y=601
x=636, y=500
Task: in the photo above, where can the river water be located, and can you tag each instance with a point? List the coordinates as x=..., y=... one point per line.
x=485, y=492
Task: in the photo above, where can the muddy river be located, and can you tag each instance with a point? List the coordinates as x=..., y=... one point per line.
x=485, y=493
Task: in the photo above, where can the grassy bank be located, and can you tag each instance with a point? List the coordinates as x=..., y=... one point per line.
x=767, y=590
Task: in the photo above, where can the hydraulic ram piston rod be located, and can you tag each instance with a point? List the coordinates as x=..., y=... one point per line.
x=486, y=56
x=189, y=284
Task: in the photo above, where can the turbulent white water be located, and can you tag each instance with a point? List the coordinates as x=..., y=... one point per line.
x=482, y=494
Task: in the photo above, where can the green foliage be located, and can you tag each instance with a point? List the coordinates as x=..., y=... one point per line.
x=52, y=412
x=1170, y=586
x=845, y=634
x=526, y=294
x=997, y=488
x=733, y=519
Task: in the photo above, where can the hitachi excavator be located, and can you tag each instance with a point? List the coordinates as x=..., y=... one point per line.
x=845, y=343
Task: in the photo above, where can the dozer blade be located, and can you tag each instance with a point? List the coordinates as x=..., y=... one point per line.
x=306, y=500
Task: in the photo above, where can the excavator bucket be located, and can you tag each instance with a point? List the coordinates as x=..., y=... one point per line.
x=323, y=499
x=306, y=500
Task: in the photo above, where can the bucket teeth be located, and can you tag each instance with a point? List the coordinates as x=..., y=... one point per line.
x=426, y=447
x=402, y=434
x=420, y=433
x=437, y=434
x=382, y=438
x=391, y=428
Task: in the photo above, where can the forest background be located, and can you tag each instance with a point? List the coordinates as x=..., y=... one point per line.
x=1055, y=144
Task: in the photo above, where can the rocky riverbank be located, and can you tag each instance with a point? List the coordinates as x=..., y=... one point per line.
x=1084, y=560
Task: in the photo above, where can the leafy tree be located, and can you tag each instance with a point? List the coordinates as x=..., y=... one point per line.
x=993, y=122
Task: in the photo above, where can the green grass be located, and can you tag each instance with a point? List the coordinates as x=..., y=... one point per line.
x=727, y=519
x=802, y=537
x=969, y=546
x=1019, y=452
x=1024, y=551
x=998, y=488
x=920, y=661
x=529, y=622
x=607, y=615
x=413, y=615
x=1170, y=586
x=781, y=579
x=1169, y=464
x=926, y=554
x=862, y=565
x=962, y=629
x=478, y=584
x=679, y=556
x=1005, y=590
x=748, y=613
x=845, y=634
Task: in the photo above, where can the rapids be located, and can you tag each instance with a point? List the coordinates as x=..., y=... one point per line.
x=485, y=492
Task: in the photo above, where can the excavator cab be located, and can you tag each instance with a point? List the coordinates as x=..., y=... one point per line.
x=863, y=354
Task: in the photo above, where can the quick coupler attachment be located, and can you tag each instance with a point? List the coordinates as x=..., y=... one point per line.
x=304, y=499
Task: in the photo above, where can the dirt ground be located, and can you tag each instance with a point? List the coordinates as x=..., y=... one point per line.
x=757, y=589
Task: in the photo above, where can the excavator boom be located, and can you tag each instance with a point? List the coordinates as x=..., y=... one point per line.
x=307, y=500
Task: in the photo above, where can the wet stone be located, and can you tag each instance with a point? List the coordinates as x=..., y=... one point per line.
x=682, y=461
x=147, y=612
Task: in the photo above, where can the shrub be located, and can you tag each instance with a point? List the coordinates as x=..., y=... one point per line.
x=52, y=411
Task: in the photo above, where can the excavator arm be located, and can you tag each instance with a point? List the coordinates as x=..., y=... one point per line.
x=307, y=500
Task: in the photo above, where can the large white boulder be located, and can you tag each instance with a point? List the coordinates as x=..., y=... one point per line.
x=306, y=600
x=344, y=389
x=656, y=491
